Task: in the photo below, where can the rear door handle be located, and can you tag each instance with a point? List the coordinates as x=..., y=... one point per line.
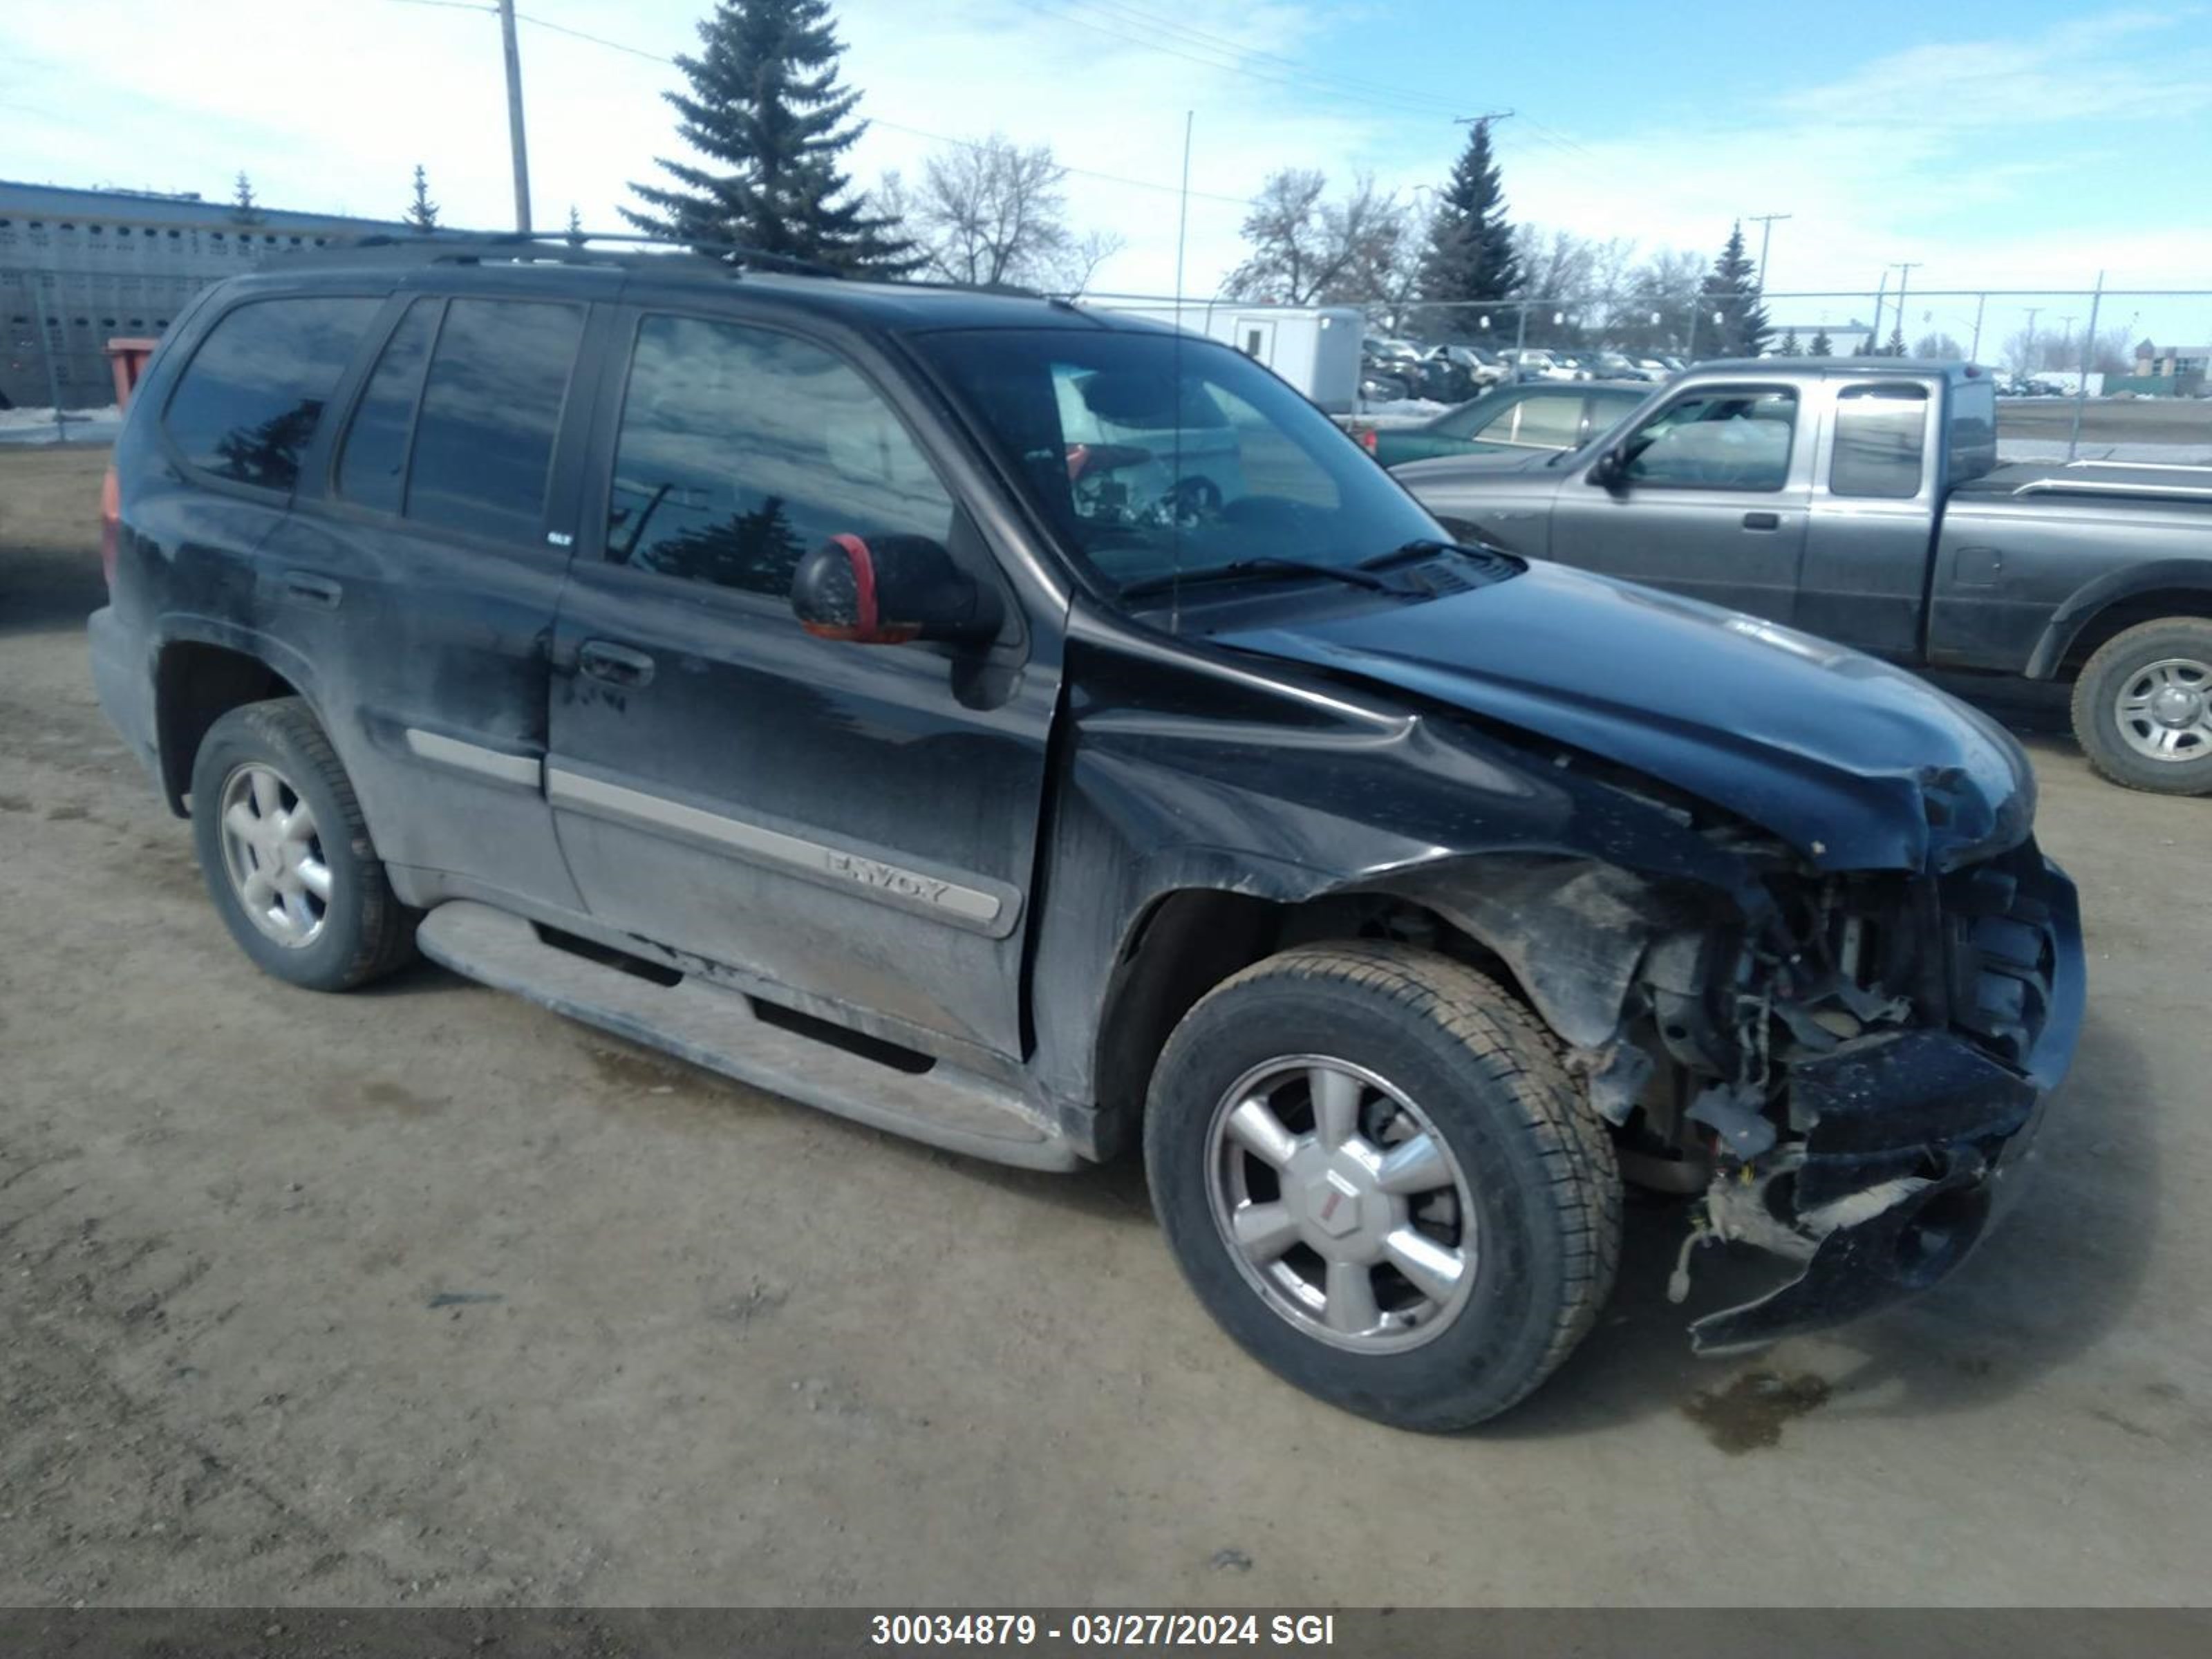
x=618, y=665
x=1762, y=521
x=313, y=589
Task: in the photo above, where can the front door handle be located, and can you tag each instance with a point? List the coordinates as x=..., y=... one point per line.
x=618, y=665
x=1762, y=521
x=313, y=589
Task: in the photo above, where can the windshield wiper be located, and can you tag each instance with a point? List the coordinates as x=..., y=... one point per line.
x=1266, y=564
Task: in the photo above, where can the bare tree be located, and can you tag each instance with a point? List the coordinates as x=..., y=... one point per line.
x=1940, y=346
x=2023, y=351
x=993, y=212
x=1662, y=294
x=1306, y=250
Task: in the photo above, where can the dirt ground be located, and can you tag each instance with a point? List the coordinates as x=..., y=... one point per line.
x=426, y=1295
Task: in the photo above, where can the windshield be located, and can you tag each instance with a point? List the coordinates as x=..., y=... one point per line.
x=1143, y=471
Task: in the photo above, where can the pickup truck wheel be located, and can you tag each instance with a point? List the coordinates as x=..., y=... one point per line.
x=2142, y=708
x=1374, y=1170
x=286, y=853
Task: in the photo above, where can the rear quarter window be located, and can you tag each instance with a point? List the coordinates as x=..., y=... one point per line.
x=1881, y=435
x=1972, y=430
x=246, y=406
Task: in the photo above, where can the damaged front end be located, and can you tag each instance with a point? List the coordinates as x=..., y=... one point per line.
x=1895, y=1039
x=1840, y=1074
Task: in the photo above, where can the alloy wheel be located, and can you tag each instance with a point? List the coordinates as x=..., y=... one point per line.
x=1341, y=1203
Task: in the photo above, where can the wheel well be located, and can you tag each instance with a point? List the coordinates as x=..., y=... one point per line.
x=2116, y=618
x=1190, y=941
x=194, y=686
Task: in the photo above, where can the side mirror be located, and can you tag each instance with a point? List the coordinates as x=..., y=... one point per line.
x=886, y=591
x=1610, y=470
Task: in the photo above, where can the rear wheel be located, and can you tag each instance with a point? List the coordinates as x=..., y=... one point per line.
x=1375, y=1173
x=2142, y=708
x=286, y=851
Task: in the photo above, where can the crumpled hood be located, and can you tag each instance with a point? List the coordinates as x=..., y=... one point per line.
x=1858, y=765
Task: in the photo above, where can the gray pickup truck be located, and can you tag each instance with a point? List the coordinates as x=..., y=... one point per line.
x=1862, y=501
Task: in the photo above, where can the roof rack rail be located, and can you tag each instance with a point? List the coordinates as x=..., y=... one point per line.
x=572, y=247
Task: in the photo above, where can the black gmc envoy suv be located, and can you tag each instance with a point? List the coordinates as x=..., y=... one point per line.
x=1042, y=733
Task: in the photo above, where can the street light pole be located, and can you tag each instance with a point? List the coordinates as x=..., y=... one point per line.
x=1766, y=223
x=1904, y=269
x=515, y=145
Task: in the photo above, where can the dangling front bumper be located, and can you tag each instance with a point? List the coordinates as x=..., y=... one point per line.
x=1916, y=1137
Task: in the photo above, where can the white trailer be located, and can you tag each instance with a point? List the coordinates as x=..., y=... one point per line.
x=1315, y=348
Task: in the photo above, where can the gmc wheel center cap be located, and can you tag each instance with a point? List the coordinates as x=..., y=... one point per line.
x=1332, y=1203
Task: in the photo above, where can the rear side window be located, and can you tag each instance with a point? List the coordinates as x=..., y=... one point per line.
x=491, y=405
x=247, y=404
x=373, y=467
x=740, y=448
x=1881, y=434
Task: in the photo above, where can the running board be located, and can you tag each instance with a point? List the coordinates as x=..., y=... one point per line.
x=717, y=1029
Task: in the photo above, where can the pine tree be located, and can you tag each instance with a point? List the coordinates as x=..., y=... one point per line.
x=575, y=224
x=1731, y=289
x=1823, y=346
x=423, y=214
x=1896, y=346
x=765, y=111
x=244, y=210
x=1788, y=346
x=1470, y=255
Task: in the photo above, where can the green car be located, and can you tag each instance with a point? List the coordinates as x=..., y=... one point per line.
x=1541, y=416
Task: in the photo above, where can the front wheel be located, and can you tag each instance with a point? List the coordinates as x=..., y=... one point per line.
x=1374, y=1170
x=2142, y=708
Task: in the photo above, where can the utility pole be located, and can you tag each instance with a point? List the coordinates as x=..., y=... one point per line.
x=1483, y=120
x=1766, y=223
x=515, y=144
x=1974, y=351
x=1904, y=268
x=1881, y=298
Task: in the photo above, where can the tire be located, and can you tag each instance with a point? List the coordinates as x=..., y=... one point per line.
x=1534, y=1169
x=2173, y=656
x=360, y=931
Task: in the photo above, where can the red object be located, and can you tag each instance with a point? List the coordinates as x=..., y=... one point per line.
x=864, y=581
x=111, y=524
x=126, y=361
x=1367, y=440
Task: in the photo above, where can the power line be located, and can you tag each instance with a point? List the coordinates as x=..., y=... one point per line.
x=1306, y=85
x=1294, y=73
x=874, y=120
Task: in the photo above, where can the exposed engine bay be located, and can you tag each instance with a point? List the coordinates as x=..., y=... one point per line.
x=1836, y=1076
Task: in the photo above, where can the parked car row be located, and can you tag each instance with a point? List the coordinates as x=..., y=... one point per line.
x=1392, y=369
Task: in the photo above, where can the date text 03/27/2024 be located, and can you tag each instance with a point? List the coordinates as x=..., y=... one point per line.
x=1105, y=1630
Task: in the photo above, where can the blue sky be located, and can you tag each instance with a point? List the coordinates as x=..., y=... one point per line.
x=2018, y=144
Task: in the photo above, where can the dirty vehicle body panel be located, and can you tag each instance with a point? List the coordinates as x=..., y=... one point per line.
x=1885, y=523
x=1780, y=903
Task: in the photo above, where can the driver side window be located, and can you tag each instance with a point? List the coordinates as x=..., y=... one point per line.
x=1729, y=438
x=741, y=447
